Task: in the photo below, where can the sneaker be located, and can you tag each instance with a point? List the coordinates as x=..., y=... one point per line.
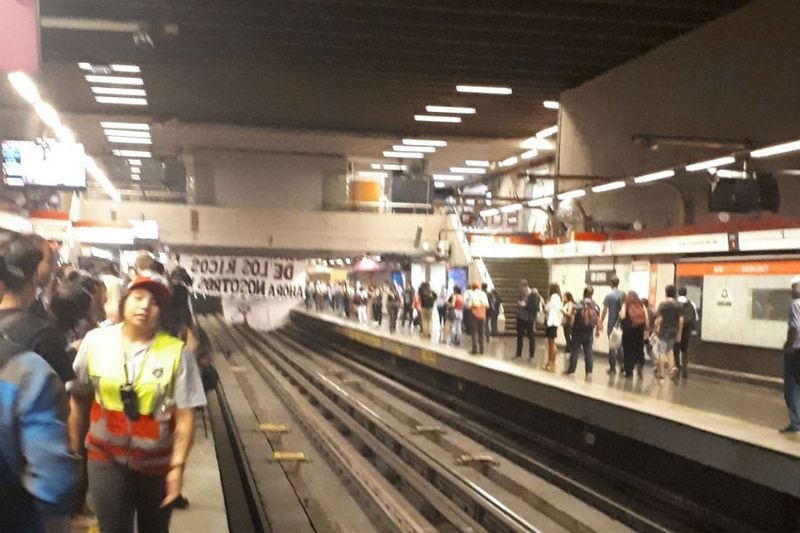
x=790, y=429
x=675, y=374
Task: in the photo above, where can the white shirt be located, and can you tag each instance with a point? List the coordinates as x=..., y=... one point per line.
x=554, y=311
x=478, y=298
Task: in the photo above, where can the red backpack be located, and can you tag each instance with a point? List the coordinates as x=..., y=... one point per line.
x=636, y=315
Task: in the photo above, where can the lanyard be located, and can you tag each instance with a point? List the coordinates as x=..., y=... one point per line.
x=141, y=368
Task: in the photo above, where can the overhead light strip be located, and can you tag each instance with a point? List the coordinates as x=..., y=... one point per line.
x=120, y=100
x=483, y=89
x=144, y=154
x=547, y=132
x=448, y=177
x=511, y=161
x=663, y=174
x=127, y=133
x=125, y=125
x=114, y=80
x=404, y=155
x=776, y=149
x=614, y=185
x=424, y=142
x=551, y=104
x=577, y=193
x=435, y=118
x=530, y=154
x=467, y=170
x=541, y=202
x=512, y=208
x=129, y=140
x=119, y=91
x=711, y=163
x=450, y=109
x=404, y=148
x=477, y=163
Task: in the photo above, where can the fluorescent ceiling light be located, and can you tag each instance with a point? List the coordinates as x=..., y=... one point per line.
x=129, y=140
x=711, y=163
x=84, y=66
x=536, y=143
x=438, y=184
x=467, y=170
x=119, y=91
x=25, y=86
x=609, y=186
x=369, y=174
x=530, y=154
x=403, y=148
x=547, y=132
x=776, y=149
x=736, y=174
x=577, y=193
x=450, y=109
x=64, y=134
x=114, y=80
x=136, y=170
x=541, y=202
x=136, y=177
x=120, y=100
x=135, y=162
x=395, y=167
x=434, y=118
x=127, y=133
x=490, y=212
x=483, y=89
x=100, y=177
x=375, y=166
x=477, y=163
x=512, y=208
x=448, y=177
x=513, y=160
x=125, y=68
x=47, y=113
x=551, y=104
x=404, y=155
x=125, y=125
x=144, y=154
x=424, y=142
x=663, y=174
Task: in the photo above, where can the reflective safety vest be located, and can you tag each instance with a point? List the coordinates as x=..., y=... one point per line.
x=145, y=444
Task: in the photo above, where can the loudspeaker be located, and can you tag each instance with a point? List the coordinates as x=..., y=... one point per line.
x=734, y=195
x=769, y=192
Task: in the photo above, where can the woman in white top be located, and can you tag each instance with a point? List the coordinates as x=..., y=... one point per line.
x=553, y=309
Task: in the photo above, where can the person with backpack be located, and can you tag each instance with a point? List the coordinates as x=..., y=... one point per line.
x=408, y=307
x=478, y=303
x=681, y=349
x=427, y=299
x=612, y=303
x=455, y=310
x=392, y=306
x=37, y=472
x=669, y=326
x=528, y=307
x=584, y=321
x=633, y=319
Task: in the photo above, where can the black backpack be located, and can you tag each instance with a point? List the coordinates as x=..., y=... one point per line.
x=689, y=314
x=23, y=328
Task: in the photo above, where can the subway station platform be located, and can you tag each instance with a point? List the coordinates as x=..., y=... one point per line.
x=728, y=426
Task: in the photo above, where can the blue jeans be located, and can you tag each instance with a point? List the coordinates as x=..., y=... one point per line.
x=791, y=390
x=578, y=344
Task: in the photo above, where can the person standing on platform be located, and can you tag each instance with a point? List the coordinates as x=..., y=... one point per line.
x=489, y=311
x=377, y=305
x=651, y=327
x=668, y=327
x=528, y=307
x=392, y=307
x=567, y=315
x=478, y=303
x=791, y=362
x=360, y=302
x=495, y=303
x=553, y=309
x=427, y=299
x=611, y=306
x=584, y=321
x=441, y=310
x=456, y=310
x=633, y=318
x=408, y=306
x=689, y=311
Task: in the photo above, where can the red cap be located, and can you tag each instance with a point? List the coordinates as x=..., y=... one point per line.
x=154, y=283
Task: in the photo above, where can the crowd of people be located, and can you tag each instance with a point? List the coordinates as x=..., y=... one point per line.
x=100, y=376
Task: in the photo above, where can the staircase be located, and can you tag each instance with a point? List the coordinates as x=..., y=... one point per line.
x=506, y=274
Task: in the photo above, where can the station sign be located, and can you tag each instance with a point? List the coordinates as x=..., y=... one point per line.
x=599, y=277
x=246, y=276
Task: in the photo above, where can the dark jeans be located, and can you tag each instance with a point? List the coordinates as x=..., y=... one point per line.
x=377, y=314
x=525, y=329
x=408, y=315
x=632, y=348
x=567, y=338
x=681, y=350
x=393, y=312
x=118, y=492
x=478, y=328
x=442, y=310
x=493, y=321
x=581, y=343
x=791, y=389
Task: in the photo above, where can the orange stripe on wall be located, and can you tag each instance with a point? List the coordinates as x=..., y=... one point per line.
x=739, y=268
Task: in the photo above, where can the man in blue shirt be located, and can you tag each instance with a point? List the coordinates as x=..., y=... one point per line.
x=37, y=472
x=791, y=362
x=612, y=304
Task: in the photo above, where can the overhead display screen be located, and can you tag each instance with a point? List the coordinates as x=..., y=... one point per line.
x=44, y=164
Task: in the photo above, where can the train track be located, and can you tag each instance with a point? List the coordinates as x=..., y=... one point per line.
x=409, y=470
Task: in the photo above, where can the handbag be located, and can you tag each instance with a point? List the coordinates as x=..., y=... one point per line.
x=615, y=338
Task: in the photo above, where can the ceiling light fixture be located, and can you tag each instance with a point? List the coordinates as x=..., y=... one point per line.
x=547, y=132
x=424, y=142
x=477, y=163
x=483, y=89
x=47, y=113
x=125, y=125
x=541, y=202
x=100, y=177
x=404, y=155
x=144, y=154
x=129, y=140
x=119, y=91
x=375, y=166
x=438, y=185
x=135, y=162
x=776, y=149
x=136, y=177
x=404, y=148
x=114, y=80
x=127, y=133
x=490, y=212
x=569, y=195
x=434, y=118
x=448, y=177
x=513, y=160
x=126, y=68
x=395, y=167
x=512, y=208
x=450, y=109
x=530, y=154
x=551, y=104
x=736, y=174
x=609, y=186
x=120, y=100
x=467, y=170
x=712, y=163
x=84, y=66
x=663, y=174
x=369, y=174
x=136, y=170
x=24, y=85
x=536, y=143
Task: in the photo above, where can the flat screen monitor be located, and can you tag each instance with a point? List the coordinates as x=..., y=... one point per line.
x=44, y=164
